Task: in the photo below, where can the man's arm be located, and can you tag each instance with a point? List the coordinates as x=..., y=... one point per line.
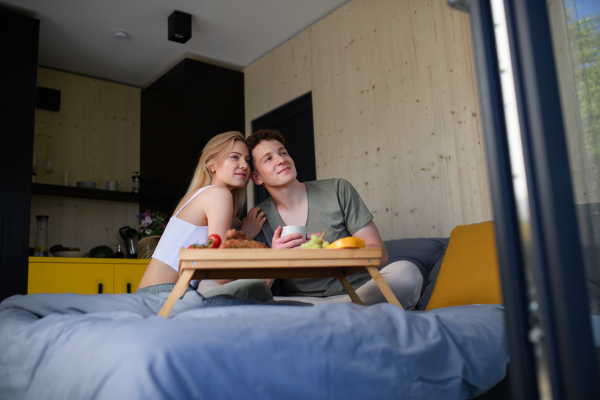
x=370, y=234
x=358, y=218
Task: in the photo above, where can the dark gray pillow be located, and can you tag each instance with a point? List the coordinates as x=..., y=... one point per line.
x=428, y=284
x=423, y=252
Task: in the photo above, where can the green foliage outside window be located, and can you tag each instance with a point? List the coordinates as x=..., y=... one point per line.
x=584, y=35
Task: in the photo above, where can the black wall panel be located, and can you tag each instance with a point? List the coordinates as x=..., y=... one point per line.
x=18, y=73
x=181, y=111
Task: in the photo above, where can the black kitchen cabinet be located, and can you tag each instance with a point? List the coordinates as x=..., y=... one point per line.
x=294, y=121
x=18, y=73
x=180, y=112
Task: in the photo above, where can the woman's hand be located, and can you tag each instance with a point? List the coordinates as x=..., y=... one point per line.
x=252, y=224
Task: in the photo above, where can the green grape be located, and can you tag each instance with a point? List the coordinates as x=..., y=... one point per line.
x=303, y=245
x=314, y=239
x=316, y=246
x=325, y=244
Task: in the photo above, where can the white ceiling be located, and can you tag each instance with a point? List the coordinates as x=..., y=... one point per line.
x=77, y=35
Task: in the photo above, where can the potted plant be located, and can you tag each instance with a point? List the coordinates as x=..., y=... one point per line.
x=151, y=226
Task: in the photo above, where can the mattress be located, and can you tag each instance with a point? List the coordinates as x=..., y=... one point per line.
x=67, y=346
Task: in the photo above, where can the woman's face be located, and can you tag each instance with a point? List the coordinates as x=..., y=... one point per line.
x=232, y=171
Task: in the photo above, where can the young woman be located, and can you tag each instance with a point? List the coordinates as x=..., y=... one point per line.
x=216, y=194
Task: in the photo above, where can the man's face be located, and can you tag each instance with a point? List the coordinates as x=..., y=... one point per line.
x=273, y=165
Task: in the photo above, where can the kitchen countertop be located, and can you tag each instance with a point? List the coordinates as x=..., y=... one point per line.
x=88, y=260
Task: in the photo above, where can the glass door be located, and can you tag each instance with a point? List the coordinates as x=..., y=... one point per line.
x=538, y=68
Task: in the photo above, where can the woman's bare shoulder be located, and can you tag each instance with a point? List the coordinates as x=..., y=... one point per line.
x=212, y=199
x=216, y=192
x=212, y=196
x=213, y=193
x=215, y=189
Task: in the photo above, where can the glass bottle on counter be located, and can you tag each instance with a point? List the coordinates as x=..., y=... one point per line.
x=136, y=182
x=41, y=237
x=119, y=253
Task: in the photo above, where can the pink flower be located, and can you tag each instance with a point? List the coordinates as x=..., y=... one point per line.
x=147, y=215
x=148, y=220
x=163, y=226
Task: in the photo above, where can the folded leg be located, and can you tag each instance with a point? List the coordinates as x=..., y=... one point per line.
x=403, y=277
x=245, y=289
x=405, y=280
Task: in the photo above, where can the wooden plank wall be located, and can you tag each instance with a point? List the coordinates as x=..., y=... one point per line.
x=395, y=110
x=82, y=223
x=96, y=136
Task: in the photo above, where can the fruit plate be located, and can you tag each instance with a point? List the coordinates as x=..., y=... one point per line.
x=79, y=254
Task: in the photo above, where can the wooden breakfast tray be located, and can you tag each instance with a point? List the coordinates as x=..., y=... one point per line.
x=278, y=264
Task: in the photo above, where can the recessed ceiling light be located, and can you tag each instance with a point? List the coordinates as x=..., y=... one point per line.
x=121, y=35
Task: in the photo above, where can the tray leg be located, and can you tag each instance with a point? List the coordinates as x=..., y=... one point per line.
x=342, y=278
x=177, y=292
x=383, y=286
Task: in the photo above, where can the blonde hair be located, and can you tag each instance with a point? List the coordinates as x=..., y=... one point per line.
x=215, y=150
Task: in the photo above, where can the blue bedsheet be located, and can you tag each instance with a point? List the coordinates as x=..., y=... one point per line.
x=67, y=346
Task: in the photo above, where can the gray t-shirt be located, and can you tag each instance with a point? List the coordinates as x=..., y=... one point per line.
x=335, y=205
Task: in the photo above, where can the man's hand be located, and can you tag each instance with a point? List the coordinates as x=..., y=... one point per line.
x=288, y=241
x=309, y=235
x=252, y=224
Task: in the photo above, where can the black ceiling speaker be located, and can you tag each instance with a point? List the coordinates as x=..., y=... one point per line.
x=47, y=99
x=180, y=27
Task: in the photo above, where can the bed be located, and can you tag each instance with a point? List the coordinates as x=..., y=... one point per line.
x=67, y=346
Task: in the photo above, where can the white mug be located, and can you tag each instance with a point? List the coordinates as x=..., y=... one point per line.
x=112, y=185
x=293, y=229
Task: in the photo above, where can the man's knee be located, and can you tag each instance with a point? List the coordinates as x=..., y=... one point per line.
x=256, y=284
x=404, y=273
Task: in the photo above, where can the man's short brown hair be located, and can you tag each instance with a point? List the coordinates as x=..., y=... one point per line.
x=264, y=134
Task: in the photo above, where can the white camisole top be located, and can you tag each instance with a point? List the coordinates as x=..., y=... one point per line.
x=179, y=233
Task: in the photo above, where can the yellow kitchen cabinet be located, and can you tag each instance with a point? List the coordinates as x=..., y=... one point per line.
x=127, y=277
x=76, y=276
x=84, y=275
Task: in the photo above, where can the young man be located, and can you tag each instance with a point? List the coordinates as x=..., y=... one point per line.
x=331, y=204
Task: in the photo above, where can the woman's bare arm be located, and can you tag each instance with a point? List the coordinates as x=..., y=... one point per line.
x=218, y=207
x=213, y=208
x=219, y=212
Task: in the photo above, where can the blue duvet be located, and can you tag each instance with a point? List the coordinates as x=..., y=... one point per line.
x=66, y=346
